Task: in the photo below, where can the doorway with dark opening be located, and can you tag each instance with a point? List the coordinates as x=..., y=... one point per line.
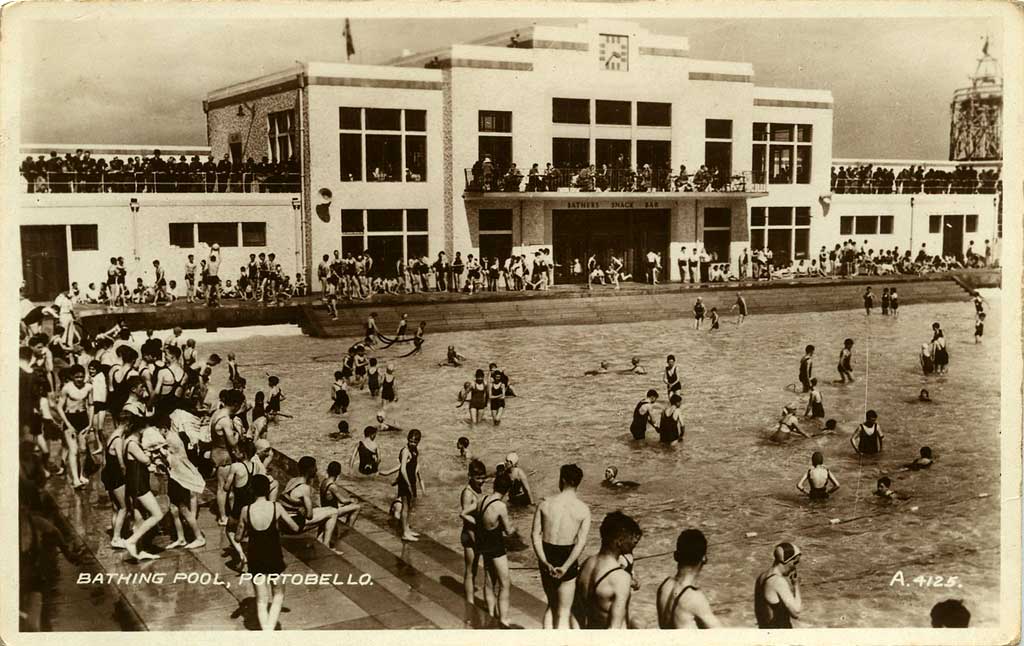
x=628, y=233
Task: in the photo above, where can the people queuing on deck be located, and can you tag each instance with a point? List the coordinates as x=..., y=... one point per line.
x=867, y=178
x=158, y=173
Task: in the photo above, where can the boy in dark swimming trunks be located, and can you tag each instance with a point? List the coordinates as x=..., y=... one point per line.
x=979, y=327
x=366, y=452
x=275, y=397
x=560, y=527
x=816, y=481
x=469, y=500
x=676, y=608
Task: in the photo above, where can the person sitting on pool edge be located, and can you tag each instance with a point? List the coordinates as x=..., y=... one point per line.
x=818, y=479
x=611, y=480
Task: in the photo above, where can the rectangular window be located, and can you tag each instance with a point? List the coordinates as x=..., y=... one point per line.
x=782, y=132
x=351, y=149
x=653, y=114
x=971, y=224
x=885, y=224
x=416, y=220
x=803, y=133
x=866, y=225
x=760, y=161
x=384, y=220
x=223, y=233
x=416, y=158
x=383, y=119
x=254, y=234
x=781, y=171
x=416, y=120
x=801, y=243
x=499, y=149
x=350, y=118
x=417, y=246
x=656, y=153
x=85, y=237
x=803, y=164
x=718, y=129
x=383, y=158
x=495, y=219
x=803, y=216
x=494, y=121
x=717, y=217
x=354, y=245
x=351, y=221
x=757, y=238
x=760, y=132
x=570, y=153
x=846, y=225
x=614, y=152
x=780, y=216
x=279, y=132
x=934, y=223
x=757, y=216
x=570, y=110
x=613, y=113
x=181, y=234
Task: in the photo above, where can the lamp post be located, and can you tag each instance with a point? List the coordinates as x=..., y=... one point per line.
x=911, y=245
x=133, y=204
x=297, y=212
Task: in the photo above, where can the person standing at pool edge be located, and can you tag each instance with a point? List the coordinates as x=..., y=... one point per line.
x=776, y=604
x=560, y=527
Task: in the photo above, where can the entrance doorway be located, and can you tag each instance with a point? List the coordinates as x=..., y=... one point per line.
x=629, y=233
x=953, y=235
x=44, y=261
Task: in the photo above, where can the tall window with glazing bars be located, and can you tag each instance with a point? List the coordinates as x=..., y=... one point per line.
x=782, y=153
x=382, y=145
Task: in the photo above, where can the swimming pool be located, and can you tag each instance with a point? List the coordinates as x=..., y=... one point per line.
x=726, y=479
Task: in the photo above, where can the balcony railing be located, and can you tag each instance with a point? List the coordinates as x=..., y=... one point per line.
x=483, y=180
x=139, y=182
x=914, y=186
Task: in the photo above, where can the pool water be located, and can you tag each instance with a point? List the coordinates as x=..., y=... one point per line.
x=726, y=479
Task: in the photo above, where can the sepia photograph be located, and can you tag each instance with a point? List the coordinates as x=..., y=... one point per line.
x=488, y=316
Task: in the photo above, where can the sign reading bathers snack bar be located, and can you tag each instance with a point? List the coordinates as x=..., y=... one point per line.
x=613, y=204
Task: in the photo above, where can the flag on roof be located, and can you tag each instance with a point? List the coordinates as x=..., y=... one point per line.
x=350, y=48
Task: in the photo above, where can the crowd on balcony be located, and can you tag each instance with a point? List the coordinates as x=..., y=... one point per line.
x=487, y=175
x=866, y=178
x=83, y=173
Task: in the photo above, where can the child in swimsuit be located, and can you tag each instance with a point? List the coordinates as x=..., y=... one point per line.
x=367, y=452
x=276, y=397
x=464, y=394
x=497, y=397
x=885, y=302
x=339, y=392
x=477, y=397
x=462, y=445
x=979, y=327
x=815, y=407
x=894, y=303
x=714, y=318
x=845, y=366
x=373, y=378
x=453, y=358
x=817, y=479
x=698, y=313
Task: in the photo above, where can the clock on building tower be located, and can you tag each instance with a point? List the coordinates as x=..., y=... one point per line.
x=614, y=51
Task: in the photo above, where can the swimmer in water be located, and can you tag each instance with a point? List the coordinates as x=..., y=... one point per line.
x=367, y=453
x=497, y=397
x=611, y=480
x=382, y=424
x=453, y=359
x=787, y=426
x=492, y=368
x=979, y=327
x=925, y=358
x=339, y=390
x=845, y=365
x=923, y=461
x=698, y=313
x=830, y=429
x=816, y=481
x=883, y=489
x=373, y=378
x=671, y=377
x=603, y=370
x=643, y=416
x=924, y=396
x=520, y=493
x=815, y=407
x=477, y=397
x=464, y=394
x=741, y=304
x=342, y=432
x=714, y=319
x=462, y=445
x=867, y=439
x=635, y=367
x=387, y=387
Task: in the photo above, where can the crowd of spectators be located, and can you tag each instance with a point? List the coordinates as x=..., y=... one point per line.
x=487, y=175
x=83, y=173
x=866, y=178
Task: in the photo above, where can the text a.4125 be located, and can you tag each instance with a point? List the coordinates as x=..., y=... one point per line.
x=922, y=581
